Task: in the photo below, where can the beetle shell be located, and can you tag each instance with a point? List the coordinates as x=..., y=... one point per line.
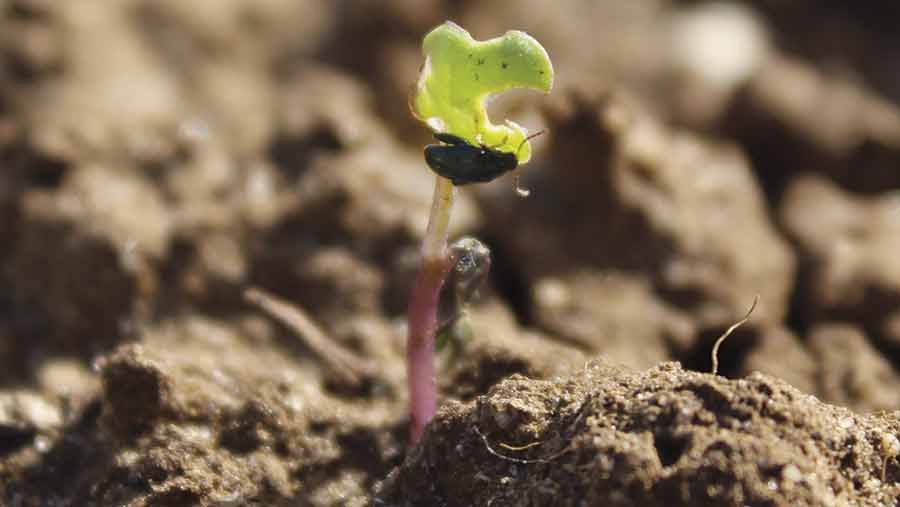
x=464, y=163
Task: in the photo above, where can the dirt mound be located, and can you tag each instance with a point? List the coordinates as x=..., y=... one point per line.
x=666, y=436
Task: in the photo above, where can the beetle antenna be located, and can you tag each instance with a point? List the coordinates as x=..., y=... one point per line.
x=501, y=143
x=532, y=136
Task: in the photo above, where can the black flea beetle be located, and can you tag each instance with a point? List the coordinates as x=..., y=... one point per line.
x=464, y=163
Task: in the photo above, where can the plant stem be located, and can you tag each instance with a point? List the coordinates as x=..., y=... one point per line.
x=422, y=316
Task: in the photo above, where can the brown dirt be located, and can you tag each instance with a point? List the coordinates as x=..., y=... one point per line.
x=159, y=157
x=606, y=436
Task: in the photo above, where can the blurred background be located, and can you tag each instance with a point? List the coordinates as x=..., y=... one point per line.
x=158, y=157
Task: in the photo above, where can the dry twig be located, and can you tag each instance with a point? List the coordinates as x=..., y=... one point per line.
x=343, y=363
x=715, y=349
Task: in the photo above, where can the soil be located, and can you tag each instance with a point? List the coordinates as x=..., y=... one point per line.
x=607, y=436
x=158, y=158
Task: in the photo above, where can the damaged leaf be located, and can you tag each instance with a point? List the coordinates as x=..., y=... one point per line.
x=459, y=74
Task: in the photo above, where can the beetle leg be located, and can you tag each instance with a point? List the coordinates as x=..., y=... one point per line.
x=501, y=143
x=523, y=192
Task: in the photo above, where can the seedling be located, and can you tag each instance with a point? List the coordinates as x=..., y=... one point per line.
x=890, y=449
x=459, y=73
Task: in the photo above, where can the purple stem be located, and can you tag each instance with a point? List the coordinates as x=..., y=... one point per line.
x=422, y=319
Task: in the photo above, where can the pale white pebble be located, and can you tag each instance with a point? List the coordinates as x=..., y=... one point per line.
x=722, y=42
x=792, y=473
x=552, y=292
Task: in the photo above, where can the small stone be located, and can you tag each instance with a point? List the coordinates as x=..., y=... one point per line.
x=552, y=292
x=792, y=473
